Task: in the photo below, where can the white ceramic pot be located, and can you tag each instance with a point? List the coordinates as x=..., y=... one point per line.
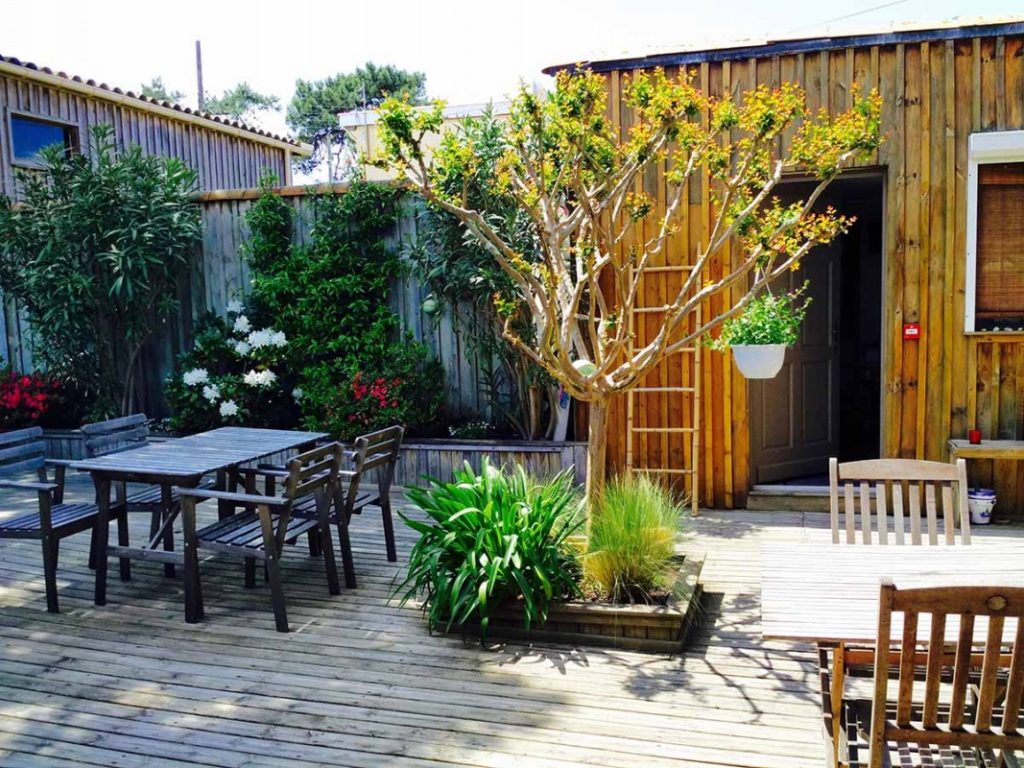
x=980, y=502
x=759, y=361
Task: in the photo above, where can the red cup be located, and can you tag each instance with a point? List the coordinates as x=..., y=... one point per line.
x=974, y=436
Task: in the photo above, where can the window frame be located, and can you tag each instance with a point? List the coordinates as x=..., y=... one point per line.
x=984, y=149
x=67, y=125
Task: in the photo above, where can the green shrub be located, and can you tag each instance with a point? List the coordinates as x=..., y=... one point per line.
x=492, y=537
x=767, y=319
x=633, y=532
x=234, y=374
x=404, y=386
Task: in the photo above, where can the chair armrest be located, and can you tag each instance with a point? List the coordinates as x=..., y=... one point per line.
x=28, y=485
x=264, y=470
x=240, y=498
x=72, y=463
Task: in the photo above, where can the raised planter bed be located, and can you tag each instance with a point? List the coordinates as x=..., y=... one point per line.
x=64, y=444
x=653, y=628
x=438, y=458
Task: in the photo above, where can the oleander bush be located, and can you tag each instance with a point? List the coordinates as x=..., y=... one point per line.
x=490, y=537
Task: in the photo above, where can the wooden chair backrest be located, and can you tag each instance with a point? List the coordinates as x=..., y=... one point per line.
x=897, y=486
x=313, y=472
x=22, y=450
x=920, y=722
x=383, y=448
x=115, y=435
x=348, y=488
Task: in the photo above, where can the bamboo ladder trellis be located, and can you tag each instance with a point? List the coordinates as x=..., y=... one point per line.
x=691, y=389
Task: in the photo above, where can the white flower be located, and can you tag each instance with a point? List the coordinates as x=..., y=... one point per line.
x=242, y=324
x=196, y=376
x=242, y=348
x=260, y=378
x=267, y=337
x=211, y=392
x=229, y=408
x=234, y=307
x=298, y=394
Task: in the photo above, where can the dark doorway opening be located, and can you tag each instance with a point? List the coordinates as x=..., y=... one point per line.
x=827, y=400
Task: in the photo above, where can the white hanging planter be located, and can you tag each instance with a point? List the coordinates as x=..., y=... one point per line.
x=759, y=361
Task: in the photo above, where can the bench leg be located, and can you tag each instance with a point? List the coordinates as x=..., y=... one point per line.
x=277, y=594
x=102, y=537
x=93, y=537
x=250, y=573
x=125, y=564
x=50, y=553
x=314, y=544
x=330, y=565
x=346, y=555
x=389, y=528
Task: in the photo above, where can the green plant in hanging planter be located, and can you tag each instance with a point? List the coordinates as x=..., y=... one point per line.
x=768, y=319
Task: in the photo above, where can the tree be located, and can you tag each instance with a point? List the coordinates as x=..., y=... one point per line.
x=316, y=104
x=240, y=101
x=157, y=90
x=314, y=109
x=92, y=252
x=578, y=177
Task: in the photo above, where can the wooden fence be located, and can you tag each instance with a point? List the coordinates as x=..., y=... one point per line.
x=220, y=274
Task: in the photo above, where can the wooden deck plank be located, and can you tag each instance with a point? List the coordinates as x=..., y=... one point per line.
x=360, y=681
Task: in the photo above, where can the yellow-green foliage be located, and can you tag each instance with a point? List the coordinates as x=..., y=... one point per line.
x=634, y=528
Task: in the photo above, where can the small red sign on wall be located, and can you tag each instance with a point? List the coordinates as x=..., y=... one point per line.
x=911, y=330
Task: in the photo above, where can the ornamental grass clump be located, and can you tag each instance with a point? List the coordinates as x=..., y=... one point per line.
x=633, y=533
x=490, y=538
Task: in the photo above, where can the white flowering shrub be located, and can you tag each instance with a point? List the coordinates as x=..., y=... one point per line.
x=235, y=374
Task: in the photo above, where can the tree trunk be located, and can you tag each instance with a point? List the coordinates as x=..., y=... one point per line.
x=597, y=443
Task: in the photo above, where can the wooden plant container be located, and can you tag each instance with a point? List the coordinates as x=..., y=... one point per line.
x=653, y=628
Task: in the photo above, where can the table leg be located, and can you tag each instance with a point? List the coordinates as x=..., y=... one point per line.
x=102, y=536
x=838, y=674
x=193, y=588
x=167, y=510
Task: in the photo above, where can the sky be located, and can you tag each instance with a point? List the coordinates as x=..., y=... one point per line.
x=471, y=51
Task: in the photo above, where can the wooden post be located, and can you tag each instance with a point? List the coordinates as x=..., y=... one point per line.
x=199, y=76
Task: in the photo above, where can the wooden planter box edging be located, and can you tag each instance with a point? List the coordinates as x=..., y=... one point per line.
x=652, y=628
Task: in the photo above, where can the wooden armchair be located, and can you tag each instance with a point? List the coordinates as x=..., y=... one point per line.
x=383, y=449
x=897, y=485
x=261, y=532
x=957, y=721
x=24, y=451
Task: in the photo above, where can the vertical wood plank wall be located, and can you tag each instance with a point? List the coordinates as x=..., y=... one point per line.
x=935, y=95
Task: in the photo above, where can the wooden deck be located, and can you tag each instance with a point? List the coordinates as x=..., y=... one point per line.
x=360, y=683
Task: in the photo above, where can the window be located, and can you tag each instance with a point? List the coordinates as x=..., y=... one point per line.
x=31, y=134
x=994, y=298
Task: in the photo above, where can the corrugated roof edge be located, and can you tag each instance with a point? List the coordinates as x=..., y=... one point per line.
x=797, y=45
x=257, y=133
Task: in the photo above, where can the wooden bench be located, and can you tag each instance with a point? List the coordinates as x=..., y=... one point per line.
x=24, y=451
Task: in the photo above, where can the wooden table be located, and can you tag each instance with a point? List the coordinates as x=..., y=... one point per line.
x=181, y=463
x=986, y=449
x=828, y=593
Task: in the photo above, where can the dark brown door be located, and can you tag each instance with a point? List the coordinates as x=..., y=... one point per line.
x=794, y=418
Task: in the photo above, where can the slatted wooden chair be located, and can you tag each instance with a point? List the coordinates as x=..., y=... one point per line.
x=261, y=532
x=383, y=449
x=24, y=451
x=894, y=511
x=969, y=713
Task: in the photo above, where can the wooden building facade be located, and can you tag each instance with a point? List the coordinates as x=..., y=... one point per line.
x=887, y=366
x=39, y=107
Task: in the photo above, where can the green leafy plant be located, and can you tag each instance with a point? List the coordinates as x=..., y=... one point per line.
x=491, y=537
x=93, y=252
x=634, y=527
x=767, y=319
x=350, y=398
